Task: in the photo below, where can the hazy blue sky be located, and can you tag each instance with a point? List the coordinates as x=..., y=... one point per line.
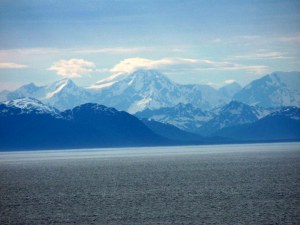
x=190, y=41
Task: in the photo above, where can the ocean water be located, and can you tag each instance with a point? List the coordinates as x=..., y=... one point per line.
x=221, y=184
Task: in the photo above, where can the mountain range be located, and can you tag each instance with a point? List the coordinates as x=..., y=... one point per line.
x=149, y=89
x=64, y=115
x=225, y=121
x=274, y=90
x=29, y=124
x=134, y=92
x=281, y=125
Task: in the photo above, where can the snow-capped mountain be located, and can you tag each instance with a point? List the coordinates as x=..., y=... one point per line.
x=192, y=119
x=275, y=90
x=184, y=116
x=150, y=89
x=27, y=106
x=282, y=125
x=130, y=92
x=172, y=132
x=141, y=89
x=62, y=94
x=233, y=114
x=27, y=90
x=230, y=90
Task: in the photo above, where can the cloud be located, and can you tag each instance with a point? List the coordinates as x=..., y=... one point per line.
x=229, y=81
x=10, y=53
x=12, y=66
x=249, y=37
x=292, y=38
x=72, y=68
x=262, y=55
x=180, y=65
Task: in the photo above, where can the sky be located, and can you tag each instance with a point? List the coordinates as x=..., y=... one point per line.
x=211, y=42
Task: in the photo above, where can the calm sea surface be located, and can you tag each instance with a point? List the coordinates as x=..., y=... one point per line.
x=221, y=184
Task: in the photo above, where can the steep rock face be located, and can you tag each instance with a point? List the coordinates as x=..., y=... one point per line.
x=274, y=90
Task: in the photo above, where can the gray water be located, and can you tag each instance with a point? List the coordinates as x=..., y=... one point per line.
x=224, y=184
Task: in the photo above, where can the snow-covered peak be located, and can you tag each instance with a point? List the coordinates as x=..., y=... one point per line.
x=275, y=90
x=31, y=105
x=230, y=90
x=30, y=87
x=58, y=86
x=147, y=79
x=290, y=79
x=27, y=90
x=136, y=78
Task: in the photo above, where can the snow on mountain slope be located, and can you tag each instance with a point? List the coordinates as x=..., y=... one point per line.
x=230, y=90
x=232, y=114
x=141, y=89
x=184, y=116
x=203, y=96
x=283, y=125
x=29, y=124
x=62, y=94
x=27, y=90
x=27, y=106
x=150, y=89
x=107, y=81
x=274, y=90
x=291, y=112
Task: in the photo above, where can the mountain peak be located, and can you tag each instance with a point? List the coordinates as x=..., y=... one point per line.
x=94, y=108
x=273, y=90
x=229, y=90
x=147, y=77
x=64, y=82
x=137, y=74
x=26, y=89
x=28, y=105
x=58, y=86
x=30, y=86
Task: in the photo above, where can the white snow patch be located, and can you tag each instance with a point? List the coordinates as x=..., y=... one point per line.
x=99, y=86
x=51, y=94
